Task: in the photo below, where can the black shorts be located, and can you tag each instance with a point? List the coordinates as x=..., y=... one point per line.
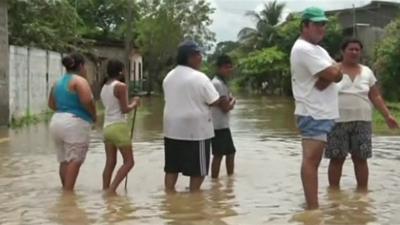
x=191, y=158
x=222, y=143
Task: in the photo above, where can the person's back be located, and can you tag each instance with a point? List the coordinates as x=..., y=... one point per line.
x=72, y=100
x=116, y=132
x=186, y=102
x=188, y=128
x=112, y=109
x=67, y=100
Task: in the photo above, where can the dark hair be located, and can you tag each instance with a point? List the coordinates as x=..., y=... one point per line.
x=223, y=60
x=348, y=41
x=114, y=68
x=73, y=61
x=186, y=49
x=183, y=57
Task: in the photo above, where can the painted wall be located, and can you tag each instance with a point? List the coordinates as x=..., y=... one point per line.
x=32, y=73
x=4, y=76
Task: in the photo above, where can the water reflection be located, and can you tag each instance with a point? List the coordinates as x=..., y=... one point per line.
x=266, y=188
x=349, y=206
x=211, y=206
x=67, y=211
x=343, y=207
x=117, y=209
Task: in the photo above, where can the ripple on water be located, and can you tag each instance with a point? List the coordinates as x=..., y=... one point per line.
x=266, y=188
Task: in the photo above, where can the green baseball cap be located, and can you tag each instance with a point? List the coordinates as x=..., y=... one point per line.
x=314, y=14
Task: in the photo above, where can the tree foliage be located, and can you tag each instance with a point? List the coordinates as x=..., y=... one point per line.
x=289, y=31
x=103, y=19
x=266, y=66
x=266, y=22
x=264, y=69
x=387, y=62
x=44, y=24
x=163, y=25
x=155, y=26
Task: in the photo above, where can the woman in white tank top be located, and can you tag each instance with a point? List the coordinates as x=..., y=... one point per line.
x=114, y=96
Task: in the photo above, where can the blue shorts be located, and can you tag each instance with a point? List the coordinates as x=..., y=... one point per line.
x=311, y=128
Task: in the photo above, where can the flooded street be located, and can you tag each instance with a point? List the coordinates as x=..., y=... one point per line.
x=266, y=188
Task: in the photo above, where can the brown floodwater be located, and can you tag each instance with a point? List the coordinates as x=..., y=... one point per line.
x=266, y=188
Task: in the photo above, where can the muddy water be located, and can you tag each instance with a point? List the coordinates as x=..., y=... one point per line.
x=266, y=188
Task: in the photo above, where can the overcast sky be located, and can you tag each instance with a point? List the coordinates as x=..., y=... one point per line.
x=229, y=15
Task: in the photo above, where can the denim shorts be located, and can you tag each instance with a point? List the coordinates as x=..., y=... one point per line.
x=311, y=128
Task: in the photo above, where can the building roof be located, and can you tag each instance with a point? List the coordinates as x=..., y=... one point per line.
x=369, y=6
x=374, y=14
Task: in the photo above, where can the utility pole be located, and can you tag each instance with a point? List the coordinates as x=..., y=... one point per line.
x=128, y=40
x=354, y=22
x=4, y=60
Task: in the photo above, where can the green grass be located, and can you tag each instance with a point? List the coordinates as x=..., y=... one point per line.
x=379, y=123
x=30, y=119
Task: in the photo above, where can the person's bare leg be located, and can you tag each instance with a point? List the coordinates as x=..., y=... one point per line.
x=111, y=161
x=230, y=164
x=215, y=165
x=195, y=183
x=312, y=154
x=335, y=172
x=361, y=171
x=128, y=163
x=71, y=174
x=170, y=181
x=62, y=171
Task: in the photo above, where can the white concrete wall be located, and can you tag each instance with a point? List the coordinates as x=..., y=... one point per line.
x=32, y=72
x=54, y=68
x=18, y=81
x=37, y=80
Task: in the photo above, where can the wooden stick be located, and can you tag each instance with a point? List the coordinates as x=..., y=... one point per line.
x=132, y=128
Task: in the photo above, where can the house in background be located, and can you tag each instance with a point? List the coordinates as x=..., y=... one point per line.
x=101, y=52
x=367, y=22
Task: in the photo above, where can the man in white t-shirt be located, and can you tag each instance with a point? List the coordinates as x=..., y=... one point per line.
x=313, y=75
x=188, y=125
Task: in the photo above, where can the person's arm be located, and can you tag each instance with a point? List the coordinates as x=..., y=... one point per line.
x=319, y=64
x=121, y=93
x=210, y=93
x=51, y=102
x=377, y=100
x=85, y=94
x=226, y=104
x=328, y=76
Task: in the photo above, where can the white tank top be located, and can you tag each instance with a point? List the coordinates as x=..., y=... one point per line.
x=112, y=113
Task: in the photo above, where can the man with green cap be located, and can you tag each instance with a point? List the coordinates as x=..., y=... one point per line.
x=314, y=74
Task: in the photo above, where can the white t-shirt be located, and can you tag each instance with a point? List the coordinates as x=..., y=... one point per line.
x=306, y=60
x=187, y=114
x=112, y=109
x=354, y=103
x=220, y=118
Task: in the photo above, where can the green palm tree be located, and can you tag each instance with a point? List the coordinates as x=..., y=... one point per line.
x=266, y=23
